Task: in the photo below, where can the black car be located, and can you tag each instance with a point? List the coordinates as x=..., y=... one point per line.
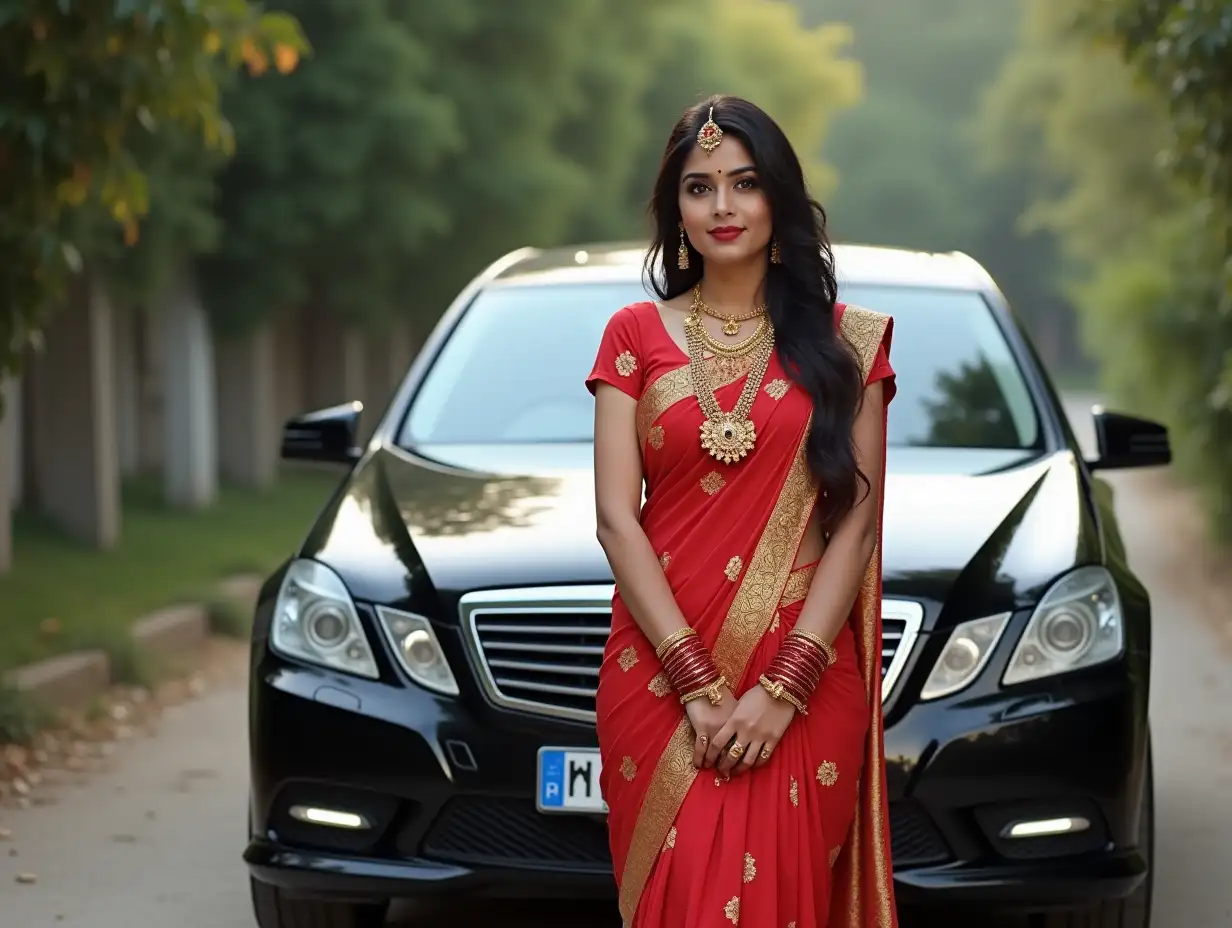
x=424, y=668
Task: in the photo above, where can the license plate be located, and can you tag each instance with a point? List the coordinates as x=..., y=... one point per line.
x=569, y=781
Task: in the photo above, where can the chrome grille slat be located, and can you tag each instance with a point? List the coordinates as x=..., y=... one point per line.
x=503, y=664
x=535, y=649
x=594, y=650
x=583, y=691
x=603, y=630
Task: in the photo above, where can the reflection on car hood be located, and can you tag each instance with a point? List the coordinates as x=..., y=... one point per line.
x=1002, y=523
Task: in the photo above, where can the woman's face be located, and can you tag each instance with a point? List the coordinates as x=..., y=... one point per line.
x=725, y=213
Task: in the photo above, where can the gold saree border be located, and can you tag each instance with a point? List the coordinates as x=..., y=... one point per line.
x=677, y=385
x=864, y=329
x=749, y=616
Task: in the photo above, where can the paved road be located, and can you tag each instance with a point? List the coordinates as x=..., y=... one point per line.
x=154, y=838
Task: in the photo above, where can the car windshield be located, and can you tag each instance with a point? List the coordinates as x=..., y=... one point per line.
x=512, y=371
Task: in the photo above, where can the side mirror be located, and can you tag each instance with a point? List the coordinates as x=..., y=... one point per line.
x=325, y=435
x=1127, y=441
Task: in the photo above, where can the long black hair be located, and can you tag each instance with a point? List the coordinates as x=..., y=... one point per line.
x=800, y=292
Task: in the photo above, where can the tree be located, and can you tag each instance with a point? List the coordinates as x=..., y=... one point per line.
x=1135, y=195
x=88, y=88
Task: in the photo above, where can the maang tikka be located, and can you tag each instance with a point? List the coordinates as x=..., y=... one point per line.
x=710, y=135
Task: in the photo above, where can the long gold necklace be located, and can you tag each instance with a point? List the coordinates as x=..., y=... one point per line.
x=727, y=436
x=731, y=322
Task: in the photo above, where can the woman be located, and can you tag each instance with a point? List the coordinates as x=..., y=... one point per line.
x=739, y=704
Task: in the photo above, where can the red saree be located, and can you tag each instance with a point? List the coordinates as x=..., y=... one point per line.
x=804, y=840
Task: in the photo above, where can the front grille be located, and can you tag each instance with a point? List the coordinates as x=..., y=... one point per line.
x=492, y=832
x=538, y=650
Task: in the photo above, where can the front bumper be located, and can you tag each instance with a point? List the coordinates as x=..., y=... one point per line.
x=449, y=786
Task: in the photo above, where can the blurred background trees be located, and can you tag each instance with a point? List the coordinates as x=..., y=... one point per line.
x=1079, y=149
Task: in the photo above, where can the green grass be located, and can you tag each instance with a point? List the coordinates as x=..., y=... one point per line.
x=61, y=596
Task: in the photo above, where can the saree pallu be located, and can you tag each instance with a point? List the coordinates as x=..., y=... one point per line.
x=803, y=840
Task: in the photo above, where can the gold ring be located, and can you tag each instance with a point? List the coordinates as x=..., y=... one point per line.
x=704, y=740
x=736, y=751
x=765, y=753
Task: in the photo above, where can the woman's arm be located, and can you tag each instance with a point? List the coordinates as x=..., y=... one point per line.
x=618, y=492
x=837, y=580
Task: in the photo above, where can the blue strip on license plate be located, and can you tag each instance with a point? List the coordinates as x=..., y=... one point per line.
x=568, y=781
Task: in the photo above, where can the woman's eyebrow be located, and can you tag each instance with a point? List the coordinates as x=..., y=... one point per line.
x=702, y=175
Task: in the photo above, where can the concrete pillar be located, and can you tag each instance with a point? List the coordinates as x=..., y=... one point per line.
x=190, y=447
x=335, y=357
x=248, y=426
x=72, y=407
x=10, y=467
x=149, y=362
x=12, y=452
x=127, y=391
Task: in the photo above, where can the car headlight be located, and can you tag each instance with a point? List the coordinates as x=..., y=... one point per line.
x=1078, y=623
x=964, y=655
x=315, y=621
x=418, y=649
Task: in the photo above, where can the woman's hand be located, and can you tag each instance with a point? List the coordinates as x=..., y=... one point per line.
x=707, y=720
x=757, y=724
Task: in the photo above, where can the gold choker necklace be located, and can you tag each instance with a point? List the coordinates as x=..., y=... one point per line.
x=731, y=321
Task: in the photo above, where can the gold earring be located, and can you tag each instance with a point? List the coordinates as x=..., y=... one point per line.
x=682, y=255
x=775, y=257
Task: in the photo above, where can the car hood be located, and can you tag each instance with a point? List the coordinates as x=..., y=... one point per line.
x=408, y=528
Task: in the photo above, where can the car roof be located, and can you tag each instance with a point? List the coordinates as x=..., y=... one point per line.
x=612, y=262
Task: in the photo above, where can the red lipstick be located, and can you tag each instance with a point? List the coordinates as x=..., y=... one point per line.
x=727, y=233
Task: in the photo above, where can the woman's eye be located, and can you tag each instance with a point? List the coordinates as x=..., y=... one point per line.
x=697, y=188
x=747, y=183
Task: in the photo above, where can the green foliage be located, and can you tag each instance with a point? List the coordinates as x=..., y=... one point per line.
x=1136, y=193
x=86, y=84
x=427, y=139
x=20, y=718
x=908, y=159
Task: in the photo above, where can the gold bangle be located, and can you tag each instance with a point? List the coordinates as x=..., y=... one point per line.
x=711, y=691
x=674, y=638
x=778, y=691
x=826, y=648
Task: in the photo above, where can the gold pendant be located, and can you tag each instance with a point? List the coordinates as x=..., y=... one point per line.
x=731, y=327
x=727, y=438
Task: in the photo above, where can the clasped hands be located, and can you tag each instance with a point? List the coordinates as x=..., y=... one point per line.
x=756, y=722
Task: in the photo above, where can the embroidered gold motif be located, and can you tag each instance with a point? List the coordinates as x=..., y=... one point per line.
x=778, y=388
x=798, y=582
x=863, y=330
x=774, y=623
x=628, y=657
x=794, y=792
x=655, y=437
x=827, y=773
x=713, y=482
x=626, y=364
x=671, y=839
x=628, y=769
x=664, y=560
x=660, y=685
x=732, y=910
x=677, y=385
x=791, y=924
x=750, y=868
x=834, y=852
x=733, y=568
x=673, y=775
